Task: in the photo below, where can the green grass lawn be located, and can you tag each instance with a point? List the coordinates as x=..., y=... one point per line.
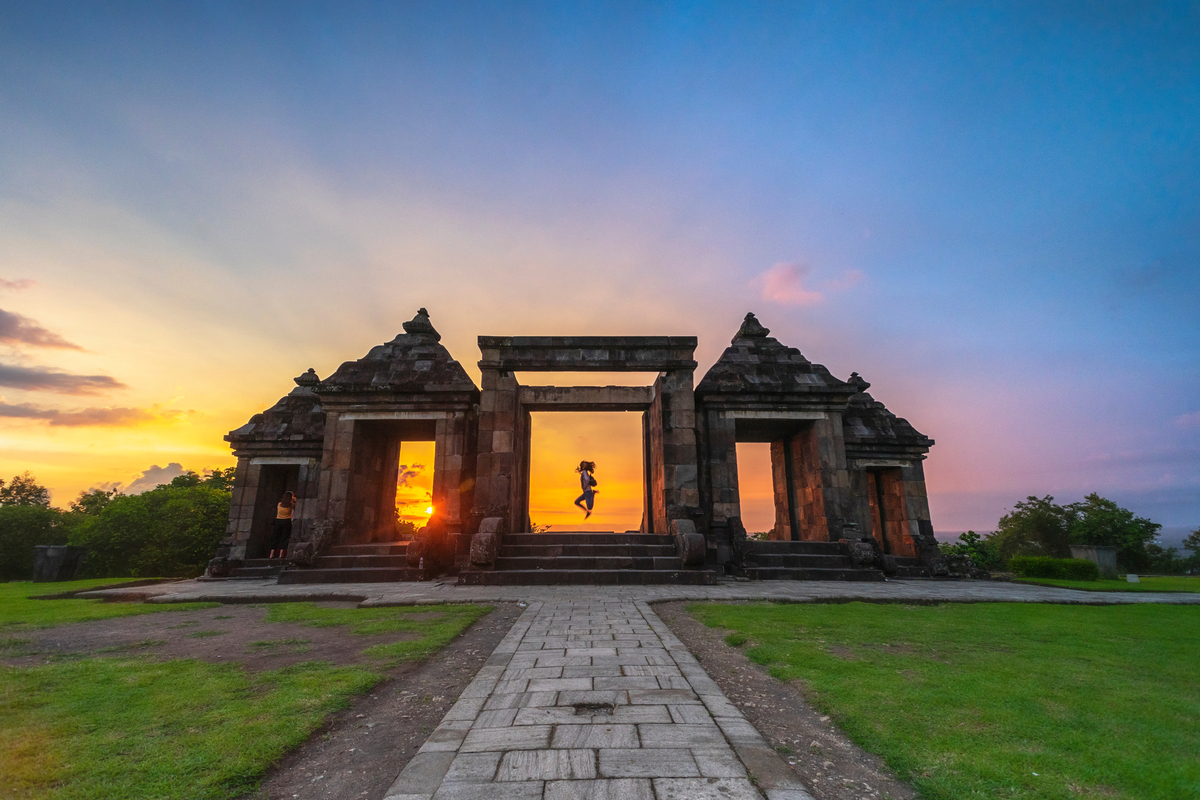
x=998, y=700
x=1168, y=583
x=120, y=727
x=20, y=612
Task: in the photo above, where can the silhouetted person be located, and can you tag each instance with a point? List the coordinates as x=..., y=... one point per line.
x=587, y=482
x=282, y=531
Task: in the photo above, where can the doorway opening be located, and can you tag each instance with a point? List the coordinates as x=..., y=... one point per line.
x=756, y=493
x=414, y=487
x=273, y=481
x=559, y=441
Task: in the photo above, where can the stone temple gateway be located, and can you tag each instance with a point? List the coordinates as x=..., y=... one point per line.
x=849, y=486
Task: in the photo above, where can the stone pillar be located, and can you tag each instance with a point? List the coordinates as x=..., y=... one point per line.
x=721, y=462
x=334, y=486
x=450, y=446
x=241, y=508
x=821, y=495
x=673, y=427
x=496, y=463
x=782, y=480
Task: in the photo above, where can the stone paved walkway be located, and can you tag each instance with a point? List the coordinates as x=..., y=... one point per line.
x=384, y=594
x=594, y=700
x=591, y=697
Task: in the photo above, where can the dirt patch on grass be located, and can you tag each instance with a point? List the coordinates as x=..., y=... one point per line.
x=833, y=767
x=359, y=751
x=234, y=633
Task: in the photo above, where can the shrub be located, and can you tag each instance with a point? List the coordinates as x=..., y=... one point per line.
x=171, y=531
x=22, y=528
x=1068, y=569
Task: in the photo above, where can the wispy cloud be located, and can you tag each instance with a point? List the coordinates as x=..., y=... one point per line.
x=1191, y=420
x=788, y=283
x=154, y=476
x=16, y=329
x=17, y=285
x=408, y=472
x=93, y=417
x=42, y=379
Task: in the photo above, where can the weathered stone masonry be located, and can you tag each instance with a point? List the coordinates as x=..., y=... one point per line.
x=844, y=468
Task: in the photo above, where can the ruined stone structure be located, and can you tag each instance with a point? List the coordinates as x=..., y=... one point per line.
x=848, y=480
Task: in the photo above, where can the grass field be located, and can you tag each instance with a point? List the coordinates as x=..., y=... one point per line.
x=1167, y=583
x=20, y=612
x=120, y=727
x=998, y=700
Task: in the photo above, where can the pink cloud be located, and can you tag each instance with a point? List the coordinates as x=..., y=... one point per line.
x=785, y=283
x=1191, y=420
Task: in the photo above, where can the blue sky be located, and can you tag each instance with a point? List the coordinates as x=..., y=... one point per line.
x=991, y=211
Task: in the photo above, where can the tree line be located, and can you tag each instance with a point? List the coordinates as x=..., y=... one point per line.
x=170, y=531
x=1037, y=526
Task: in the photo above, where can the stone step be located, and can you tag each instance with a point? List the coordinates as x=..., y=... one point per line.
x=504, y=562
x=910, y=568
x=796, y=547
x=798, y=560
x=589, y=577
x=358, y=562
x=374, y=549
x=587, y=550
x=359, y=575
x=585, y=537
x=812, y=574
x=256, y=572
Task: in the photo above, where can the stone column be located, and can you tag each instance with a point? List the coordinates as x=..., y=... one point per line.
x=721, y=458
x=673, y=418
x=782, y=480
x=241, y=507
x=334, y=486
x=496, y=463
x=822, y=480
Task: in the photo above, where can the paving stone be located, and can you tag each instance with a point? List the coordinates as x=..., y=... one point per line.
x=525, y=737
x=527, y=790
x=624, y=682
x=560, y=684
x=705, y=789
x=718, y=762
x=595, y=736
x=526, y=765
x=501, y=718
x=689, y=715
x=423, y=774
x=675, y=735
x=643, y=763
x=618, y=789
x=474, y=767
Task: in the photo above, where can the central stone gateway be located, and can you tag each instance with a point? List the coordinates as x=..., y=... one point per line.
x=671, y=484
x=848, y=480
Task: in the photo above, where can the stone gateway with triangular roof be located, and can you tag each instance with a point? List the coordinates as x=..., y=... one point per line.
x=847, y=474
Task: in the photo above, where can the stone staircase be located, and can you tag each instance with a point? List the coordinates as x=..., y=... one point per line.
x=258, y=568
x=357, y=563
x=803, y=561
x=564, y=558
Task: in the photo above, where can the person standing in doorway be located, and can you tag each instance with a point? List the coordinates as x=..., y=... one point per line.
x=588, y=483
x=282, y=532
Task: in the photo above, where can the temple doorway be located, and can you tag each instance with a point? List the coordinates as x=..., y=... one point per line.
x=559, y=441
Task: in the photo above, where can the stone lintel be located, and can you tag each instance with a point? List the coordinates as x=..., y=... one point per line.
x=587, y=353
x=868, y=463
x=784, y=414
x=372, y=415
x=586, y=398
x=288, y=460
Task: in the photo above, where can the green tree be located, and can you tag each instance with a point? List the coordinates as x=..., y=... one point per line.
x=1099, y=521
x=221, y=478
x=983, y=552
x=24, y=490
x=171, y=531
x=93, y=501
x=1035, y=527
x=22, y=528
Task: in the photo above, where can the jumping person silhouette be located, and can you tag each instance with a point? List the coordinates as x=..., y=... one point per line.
x=587, y=482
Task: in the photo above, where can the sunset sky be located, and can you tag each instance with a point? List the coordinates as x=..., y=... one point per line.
x=990, y=211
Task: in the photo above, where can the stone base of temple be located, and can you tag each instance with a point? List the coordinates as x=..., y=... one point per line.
x=612, y=559
x=383, y=562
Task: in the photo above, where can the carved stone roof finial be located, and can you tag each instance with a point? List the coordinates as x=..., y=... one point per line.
x=858, y=383
x=308, y=379
x=420, y=324
x=751, y=329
